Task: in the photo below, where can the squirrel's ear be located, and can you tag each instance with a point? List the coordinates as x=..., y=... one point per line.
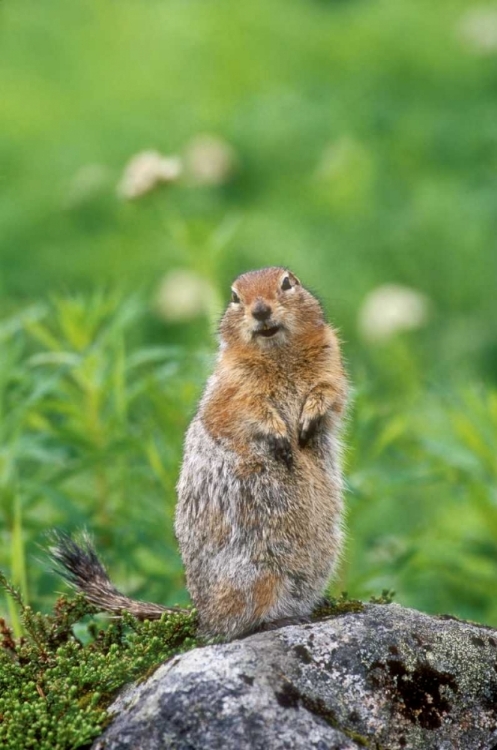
x=294, y=278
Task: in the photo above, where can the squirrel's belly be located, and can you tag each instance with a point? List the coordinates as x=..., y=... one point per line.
x=268, y=537
x=258, y=491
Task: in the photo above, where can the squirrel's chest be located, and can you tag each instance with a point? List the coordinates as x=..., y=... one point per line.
x=235, y=405
x=288, y=400
x=287, y=392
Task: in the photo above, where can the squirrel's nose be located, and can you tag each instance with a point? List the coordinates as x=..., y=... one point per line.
x=261, y=311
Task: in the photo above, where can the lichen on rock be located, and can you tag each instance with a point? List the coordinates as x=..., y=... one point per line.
x=377, y=677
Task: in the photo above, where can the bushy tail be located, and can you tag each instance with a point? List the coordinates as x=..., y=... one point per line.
x=78, y=563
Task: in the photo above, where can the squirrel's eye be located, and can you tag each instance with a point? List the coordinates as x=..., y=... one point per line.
x=234, y=297
x=285, y=284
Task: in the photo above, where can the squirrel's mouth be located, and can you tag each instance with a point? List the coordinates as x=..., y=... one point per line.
x=267, y=332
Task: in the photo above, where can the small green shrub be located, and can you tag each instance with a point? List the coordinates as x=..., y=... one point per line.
x=55, y=687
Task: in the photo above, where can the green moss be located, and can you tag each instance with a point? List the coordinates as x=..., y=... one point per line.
x=54, y=689
x=386, y=597
x=341, y=605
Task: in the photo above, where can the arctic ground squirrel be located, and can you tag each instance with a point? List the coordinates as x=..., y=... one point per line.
x=259, y=511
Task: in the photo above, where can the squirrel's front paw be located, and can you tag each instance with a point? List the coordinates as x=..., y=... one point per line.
x=307, y=428
x=281, y=449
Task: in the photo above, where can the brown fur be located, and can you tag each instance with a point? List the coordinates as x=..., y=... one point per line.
x=263, y=451
x=265, y=593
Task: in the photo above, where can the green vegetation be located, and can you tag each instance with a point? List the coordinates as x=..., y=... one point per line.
x=355, y=144
x=54, y=688
x=364, y=134
x=91, y=436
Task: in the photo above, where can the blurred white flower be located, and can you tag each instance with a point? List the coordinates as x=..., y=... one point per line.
x=478, y=30
x=87, y=182
x=145, y=171
x=391, y=308
x=210, y=160
x=183, y=295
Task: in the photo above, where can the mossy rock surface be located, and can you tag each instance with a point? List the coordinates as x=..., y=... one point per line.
x=383, y=677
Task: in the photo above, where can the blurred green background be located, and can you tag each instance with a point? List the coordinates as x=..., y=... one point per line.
x=354, y=141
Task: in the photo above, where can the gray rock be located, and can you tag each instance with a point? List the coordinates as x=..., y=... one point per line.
x=386, y=677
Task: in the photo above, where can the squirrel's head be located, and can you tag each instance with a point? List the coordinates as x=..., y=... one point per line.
x=268, y=308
